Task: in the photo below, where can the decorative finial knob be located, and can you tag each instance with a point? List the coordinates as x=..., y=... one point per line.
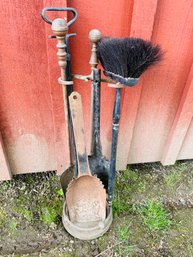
x=95, y=35
x=59, y=27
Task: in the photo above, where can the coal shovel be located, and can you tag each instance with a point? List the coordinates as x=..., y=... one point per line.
x=85, y=196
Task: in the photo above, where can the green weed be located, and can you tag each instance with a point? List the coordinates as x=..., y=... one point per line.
x=13, y=225
x=102, y=242
x=3, y=217
x=119, y=206
x=175, y=173
x=27, y=214
x=22, y=208
x=50, y=214
x=123, y=248
x=172, y=178
x=60, y=192
x=123, y=233
x=154, y=216
x=126, y=184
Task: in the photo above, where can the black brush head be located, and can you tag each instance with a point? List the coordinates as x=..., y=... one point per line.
x=127, y=58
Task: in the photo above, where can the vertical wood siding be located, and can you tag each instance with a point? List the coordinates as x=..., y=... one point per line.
x=31, y=105
x=156, y=122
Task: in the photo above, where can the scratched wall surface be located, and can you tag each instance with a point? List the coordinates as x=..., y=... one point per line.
x=31, y=120
x=149, y=110
x=156, y=120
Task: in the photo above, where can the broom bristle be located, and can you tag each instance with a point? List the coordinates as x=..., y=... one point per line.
x=127, y=58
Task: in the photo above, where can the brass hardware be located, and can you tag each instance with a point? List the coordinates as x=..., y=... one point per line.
x=64, y=82
x=95, y=36
x=87, y=78
x=60, y=29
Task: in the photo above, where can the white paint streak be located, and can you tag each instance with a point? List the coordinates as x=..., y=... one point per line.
x=30, y=154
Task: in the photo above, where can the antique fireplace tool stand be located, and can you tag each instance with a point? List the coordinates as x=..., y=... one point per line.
x=123, y=61
x=98, y=164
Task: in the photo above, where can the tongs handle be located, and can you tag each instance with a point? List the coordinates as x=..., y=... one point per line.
x=51, y=9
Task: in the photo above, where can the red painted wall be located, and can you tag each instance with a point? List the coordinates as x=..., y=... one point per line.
x=154, y=113
x=31, y=106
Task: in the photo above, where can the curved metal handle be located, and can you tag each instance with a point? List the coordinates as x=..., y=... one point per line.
x=51, y=9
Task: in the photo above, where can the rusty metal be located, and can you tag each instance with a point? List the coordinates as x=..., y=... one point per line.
x=99, y=165
x=60, y=29
x=85, y=196
x=89, y=77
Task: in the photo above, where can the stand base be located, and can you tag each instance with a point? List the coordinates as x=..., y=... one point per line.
x=85, y=231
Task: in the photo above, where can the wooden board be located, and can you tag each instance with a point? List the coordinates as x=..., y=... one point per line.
x=115, y=22
x=164, y=84
x=61, y=139
x=5, y=172
x=31, y=100
x=176, y=145
x=140, y=27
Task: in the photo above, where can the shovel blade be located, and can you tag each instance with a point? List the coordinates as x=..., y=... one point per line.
x=86, y=200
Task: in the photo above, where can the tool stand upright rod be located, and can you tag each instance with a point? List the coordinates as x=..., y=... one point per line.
x=60, y=29
x=115, y=131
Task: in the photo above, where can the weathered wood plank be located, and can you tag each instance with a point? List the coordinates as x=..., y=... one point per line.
x=180, y=125
x=141, y=26
x=58, y=99
x=26, y=111
x=186, y=149
x=163, y=85
x=112, y=20
x=5, y=172
x=31, y=102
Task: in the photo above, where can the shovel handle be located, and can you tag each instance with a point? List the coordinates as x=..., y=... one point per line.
x=75, y=102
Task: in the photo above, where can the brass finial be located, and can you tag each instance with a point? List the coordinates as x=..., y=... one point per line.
x=60, y=29
x=95, y=36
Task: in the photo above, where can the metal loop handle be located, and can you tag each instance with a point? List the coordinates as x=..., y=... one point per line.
x=51, y=9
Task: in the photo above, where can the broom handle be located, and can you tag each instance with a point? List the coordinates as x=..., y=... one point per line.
x=115, y=130
x=96, y=148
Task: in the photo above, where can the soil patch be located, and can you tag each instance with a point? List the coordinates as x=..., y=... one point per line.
x=152, y=215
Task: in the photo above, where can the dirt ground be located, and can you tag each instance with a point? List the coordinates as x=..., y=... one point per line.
x=153, y=215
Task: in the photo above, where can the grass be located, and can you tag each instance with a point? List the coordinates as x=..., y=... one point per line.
x=2, y=218
x=27, y=214
x=51, y=209
x=22, y=208
x=123, y=232
x=102, y=242
x=49, y=214
x=125, y=186
x=172, y=178
x=60, y=192
x=154, y=216
x=13, y=225
x=119, y=206
x=123, y=235
x=175, y=174
x=32, y=201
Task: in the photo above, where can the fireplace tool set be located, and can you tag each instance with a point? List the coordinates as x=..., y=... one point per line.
x=88, y=186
